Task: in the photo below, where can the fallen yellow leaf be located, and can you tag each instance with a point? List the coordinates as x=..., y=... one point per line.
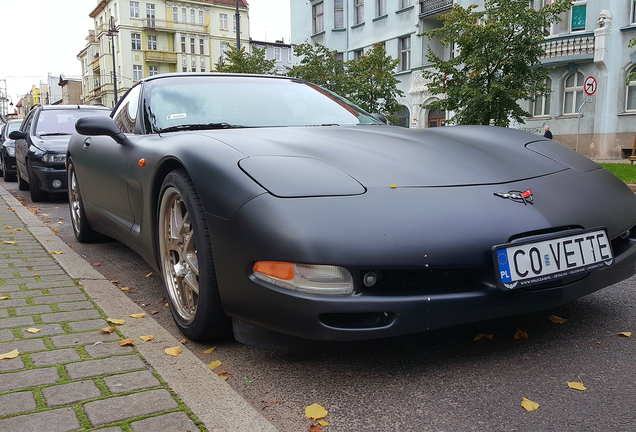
x=116, y=322
x=124, y=342
x=576, y=386
x=125, y=288
x=47, y=221
x=625, y=334
x=10, y=355
x=557, y=320
x=56, y=230
x=323, y=423
x=18, y=229
x=528, y=405
x=224, y=377
x=4, y=298
x=521, y=335
x=8, y=242
x=33, y=330
x=221, y=372
x=59, y=223
x=44, y=214
x=315, y=412
x=183, y=341
x=109, y=330
x=146, y=338
x=214, y=364
x=482, y=336
x=175, y=351
x=207, y=351
x=57, y=252
x=149, y=274
x=138, y=315
x=167, y=305
x=7, y=226
x=96, y=264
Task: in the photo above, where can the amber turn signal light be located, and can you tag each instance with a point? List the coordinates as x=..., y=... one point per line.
x=275, y=269
x=142, y=162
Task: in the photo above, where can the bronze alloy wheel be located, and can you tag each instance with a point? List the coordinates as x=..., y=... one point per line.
x=178, y=255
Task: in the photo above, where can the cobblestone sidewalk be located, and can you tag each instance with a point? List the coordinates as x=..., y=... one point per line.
x=69, y=375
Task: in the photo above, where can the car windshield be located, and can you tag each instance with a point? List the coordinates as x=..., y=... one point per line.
x=12, y=126
x=62, y=122
x=213, y=102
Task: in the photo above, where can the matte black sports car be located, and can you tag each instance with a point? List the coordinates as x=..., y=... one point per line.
x=40, y=147
x=282, y=206
x=7, y=150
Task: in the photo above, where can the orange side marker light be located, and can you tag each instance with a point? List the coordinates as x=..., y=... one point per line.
x=276, y=269
x=142, y=162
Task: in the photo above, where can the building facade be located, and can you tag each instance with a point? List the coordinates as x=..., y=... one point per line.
x=278, y=51
x=152, y=37
x=591, y=41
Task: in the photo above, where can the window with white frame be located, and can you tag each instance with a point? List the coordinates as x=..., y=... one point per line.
x=405, y=3
x=183, y=44
x=357, y=54
x=317, y=18
x=184, y=69
x=338, y=14
x=404, y=46
x=224, y=48
x=137, y=72
x=380, y=8
x=184, y=14
x=152, y=42
x=201, y=17
x=234, y=22
x=150, y=10
x=134, y=9
x=192, y=16
x=223, y=21
x=153, y=70
x=201, y=49
x=542, y=103
x=277, y=54
x=572, y=93
x=358, y=14
x=192, y=45
x=175, y=14
x=631, y=90
x=632, y=13
x=136, y=40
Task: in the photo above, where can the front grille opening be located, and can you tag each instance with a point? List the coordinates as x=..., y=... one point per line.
x=544, y=232
x=362, y=320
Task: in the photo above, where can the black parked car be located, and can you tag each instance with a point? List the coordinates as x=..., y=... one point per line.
x=7, y=150
x=40, y=146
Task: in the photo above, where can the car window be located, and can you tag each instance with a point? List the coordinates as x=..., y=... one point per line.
x=126, y=113
x=62, y=122
x=248, y=102
x=12, y=126
x=26, y=125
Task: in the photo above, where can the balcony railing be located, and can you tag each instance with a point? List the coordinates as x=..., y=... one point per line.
x=160, y=56
x=172, y=26
x=433, y=7
x=568, y=46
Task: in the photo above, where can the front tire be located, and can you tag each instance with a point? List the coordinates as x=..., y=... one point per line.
x=81, y=228
x=187, y=265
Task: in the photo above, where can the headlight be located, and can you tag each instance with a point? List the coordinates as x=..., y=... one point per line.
x=54, y=158
x=307, y=278
x=10, y=151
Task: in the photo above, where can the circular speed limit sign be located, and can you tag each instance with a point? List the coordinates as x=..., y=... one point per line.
x=590, y=85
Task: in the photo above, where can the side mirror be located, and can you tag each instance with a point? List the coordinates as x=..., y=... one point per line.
x=99, y=125
x=379, y=117
x=17, y=135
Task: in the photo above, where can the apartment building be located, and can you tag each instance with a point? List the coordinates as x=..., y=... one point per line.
x=278, y=51
x=591, y=41
x=152, y=37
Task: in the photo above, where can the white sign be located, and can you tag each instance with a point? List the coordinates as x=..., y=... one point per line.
x=590, y=85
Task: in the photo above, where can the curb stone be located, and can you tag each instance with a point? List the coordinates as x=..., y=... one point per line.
x=211, y=399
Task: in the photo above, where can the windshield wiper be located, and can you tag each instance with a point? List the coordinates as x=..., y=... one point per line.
x=53, y=133
x=200, y=127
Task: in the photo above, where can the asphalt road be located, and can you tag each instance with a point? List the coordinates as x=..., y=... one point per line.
x=436, y=381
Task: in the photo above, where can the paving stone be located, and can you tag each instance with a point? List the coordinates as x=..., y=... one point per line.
x=16, y=281
x=107, y=349
x=9, y=288
x=42, y=285
x=77, y=339
x=58, y=298
x=67, y=394
x=53, y=278
x=79, y=326
x=11, y=365
x=16, y=322
x=30, y=310
x=78, y=305
x=28, y=345
x=59, y=420
x=66, y=290
x=47, y=358
x=4, y=313
x=176, y=421
x=25, y=294
x=26, y=379
x=112, y=429
x=94, y=368
x=70, y=316
x=131, y=381
x=40, y=272
x=119, y=408
x=45, y=330
x=6, y=335
x=14, y=403
x=12, y=303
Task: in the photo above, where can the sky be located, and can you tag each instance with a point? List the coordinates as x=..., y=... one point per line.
x=44, y=36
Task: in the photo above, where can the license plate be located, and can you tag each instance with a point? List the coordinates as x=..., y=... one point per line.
x=520, y=265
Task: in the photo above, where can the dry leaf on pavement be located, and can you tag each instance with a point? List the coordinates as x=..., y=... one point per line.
x=149, y=274
x=109, y=330
x=146, y=338
x=96, y=264
x=55, y=230
x=214, y=364
x=528, y=405
x=314, y=428
x=174, y=351
x=125, y=288
x=521, y=335
x=57, y=252
x=208, y=351
x=115, y=322
x=138, y=315
x=154, y=312
x=10, y=355
x=557, y=320
x=323, y=423
x=33, y=330
x=483, y=336
x=4, y=298
x=315, y=412
x=8, y=242
x=183, y=341
x=625, y=334
x=576, y=386
x=124, y=342
x=220, y=372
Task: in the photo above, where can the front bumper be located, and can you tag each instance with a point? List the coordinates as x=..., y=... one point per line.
x=47, y=175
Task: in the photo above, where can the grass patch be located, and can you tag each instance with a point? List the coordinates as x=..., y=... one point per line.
x=625, y=172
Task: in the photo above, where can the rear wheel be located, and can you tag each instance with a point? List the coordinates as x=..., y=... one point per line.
x=82, y=230
x=37, y=194
x=186, y=260
x=7, y=176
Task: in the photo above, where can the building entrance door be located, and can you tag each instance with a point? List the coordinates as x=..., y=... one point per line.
x=435, y=118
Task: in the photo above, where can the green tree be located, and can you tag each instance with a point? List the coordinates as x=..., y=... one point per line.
x=373, y=85
x=240, y=61
x=320, y=66
x=498, y=61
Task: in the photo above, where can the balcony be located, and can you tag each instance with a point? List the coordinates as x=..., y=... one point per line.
x=172, y=26
x=568, y=49
x=160, y=56
x=430, y=8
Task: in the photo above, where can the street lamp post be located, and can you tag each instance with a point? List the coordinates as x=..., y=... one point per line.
x=238, y=27
x=112, y=32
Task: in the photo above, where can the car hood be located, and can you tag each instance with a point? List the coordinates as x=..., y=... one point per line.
x=56, y=144
x=379, y=156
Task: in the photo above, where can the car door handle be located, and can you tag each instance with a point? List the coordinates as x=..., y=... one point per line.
x=87, y=142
